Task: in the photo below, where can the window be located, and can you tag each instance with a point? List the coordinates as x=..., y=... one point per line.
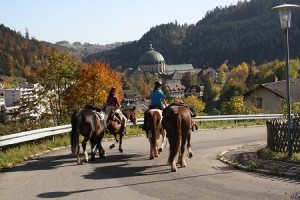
x=258, y=102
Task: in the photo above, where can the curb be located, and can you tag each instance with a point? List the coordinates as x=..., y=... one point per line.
x=235, y=165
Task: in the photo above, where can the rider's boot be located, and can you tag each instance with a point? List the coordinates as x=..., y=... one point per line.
x=123, y=127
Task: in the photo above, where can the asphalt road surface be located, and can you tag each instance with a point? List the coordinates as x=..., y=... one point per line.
x=132, y=176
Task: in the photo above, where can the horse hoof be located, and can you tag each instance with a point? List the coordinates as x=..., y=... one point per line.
x=121, y=150
x=151, y=157
x=112, y=146
x=159, y=150
x=174, y=170
x=190, y=155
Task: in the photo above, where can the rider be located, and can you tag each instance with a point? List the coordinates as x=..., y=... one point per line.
x=112, y=100
x=157, y=99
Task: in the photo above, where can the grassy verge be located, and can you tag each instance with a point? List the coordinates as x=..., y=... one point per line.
x=17, y=154
x=229, y=124
x=268, y=154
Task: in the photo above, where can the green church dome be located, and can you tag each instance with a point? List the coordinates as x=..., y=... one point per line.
x=151, y=57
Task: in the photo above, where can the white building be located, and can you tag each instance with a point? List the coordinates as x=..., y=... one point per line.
x=25, y=93
x=13, y=96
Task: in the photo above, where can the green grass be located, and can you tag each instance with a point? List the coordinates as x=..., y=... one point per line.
x=268, y=154
x=230, y=124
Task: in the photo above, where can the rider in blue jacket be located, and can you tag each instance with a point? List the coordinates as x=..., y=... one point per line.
x=157, y=99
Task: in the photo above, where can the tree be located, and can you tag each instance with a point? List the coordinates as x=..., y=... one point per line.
x=197, y=104
x=92, y=85
x=142, y=86
x=235, y=106
x=3, y=114
x=54, y=78
x=240, y=73
x=26, y=34
x=188, y=79
x=221, y=77
x=231, y=88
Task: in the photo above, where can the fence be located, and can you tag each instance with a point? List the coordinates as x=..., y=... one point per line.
x=52, y=131
x=277, y=136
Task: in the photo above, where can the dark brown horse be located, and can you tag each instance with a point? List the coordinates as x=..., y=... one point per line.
x=178, y=123
x=115, y=127
x=155, y=131
x=90, y=125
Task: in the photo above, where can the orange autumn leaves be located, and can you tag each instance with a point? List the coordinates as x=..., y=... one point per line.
x=92, y=86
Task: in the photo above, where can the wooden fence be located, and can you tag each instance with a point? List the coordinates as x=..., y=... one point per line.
x=277, y=135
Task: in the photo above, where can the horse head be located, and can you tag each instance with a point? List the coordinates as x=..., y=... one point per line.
x=130, y=114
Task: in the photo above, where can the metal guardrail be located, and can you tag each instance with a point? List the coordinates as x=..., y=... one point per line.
x=52, y=131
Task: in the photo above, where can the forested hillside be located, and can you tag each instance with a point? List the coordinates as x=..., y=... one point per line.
x=19, y=55
x=249, y=31
x=86, y=49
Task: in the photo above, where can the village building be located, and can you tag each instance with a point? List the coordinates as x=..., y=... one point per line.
x=269, y=96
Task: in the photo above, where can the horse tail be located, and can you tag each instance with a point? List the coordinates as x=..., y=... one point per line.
x=74, y=135
x=175, y=138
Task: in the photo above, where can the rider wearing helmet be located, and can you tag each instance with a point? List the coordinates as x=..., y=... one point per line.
x=157, y=98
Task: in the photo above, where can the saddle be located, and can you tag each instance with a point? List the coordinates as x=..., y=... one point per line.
x=99, y=113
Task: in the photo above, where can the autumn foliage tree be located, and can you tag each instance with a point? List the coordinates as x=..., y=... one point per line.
x=197, y=104
x=54, y=78
x=92, y=85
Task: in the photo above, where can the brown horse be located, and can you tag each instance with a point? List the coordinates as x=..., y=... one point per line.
x=115, y=127
x=154, y=131
x=90, y=125
x=178, y=123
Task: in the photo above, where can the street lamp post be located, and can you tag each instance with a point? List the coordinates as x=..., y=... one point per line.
x=285, y=13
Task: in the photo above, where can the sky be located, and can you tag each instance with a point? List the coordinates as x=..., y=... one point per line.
x=99, y=21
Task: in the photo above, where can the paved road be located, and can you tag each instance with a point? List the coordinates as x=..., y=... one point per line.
x=132, y=176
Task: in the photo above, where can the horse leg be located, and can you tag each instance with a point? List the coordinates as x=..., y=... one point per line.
x=155, y=149
x=151, y=148
x=163, y=140
x=116, y=142
x=182, y=149
x=120, y=143
x=79, y=161
x=85, y=154
x=188, y=145
x=101, y=150
x=173, y=151
x=173, y=166
x=93, y=150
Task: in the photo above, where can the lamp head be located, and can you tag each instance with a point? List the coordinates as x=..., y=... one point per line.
x=285, y=14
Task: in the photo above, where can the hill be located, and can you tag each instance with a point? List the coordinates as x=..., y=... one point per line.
x=86, y=49
x=246, y=32
x=19, y=55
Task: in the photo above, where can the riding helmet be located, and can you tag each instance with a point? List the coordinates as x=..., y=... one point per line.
x=158, y=83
